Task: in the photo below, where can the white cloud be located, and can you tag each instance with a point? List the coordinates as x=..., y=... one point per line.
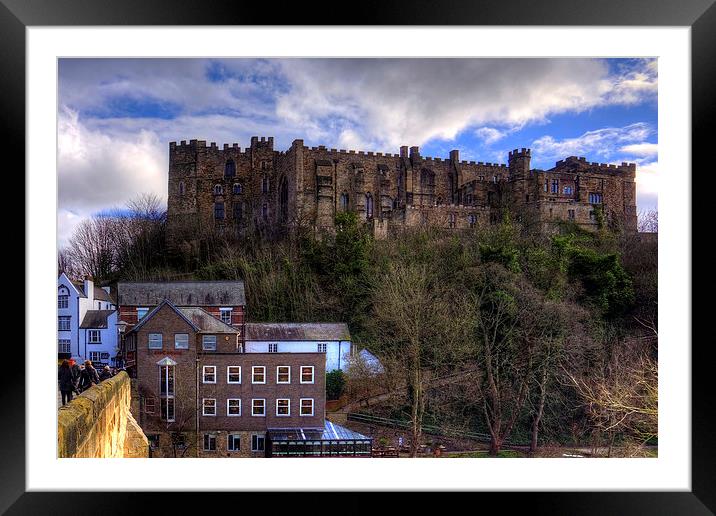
x=490, y=135
x=641, y=149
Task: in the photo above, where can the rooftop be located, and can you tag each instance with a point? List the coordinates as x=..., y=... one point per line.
x=330, y=432
x=96, y=319
x=297, y=331
x=182, y=293
x=206, y=322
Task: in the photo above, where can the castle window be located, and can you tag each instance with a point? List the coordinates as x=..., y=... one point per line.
x=265, y=165
x=264, y=211
x=218, y=190
x=546, y=184
x=265, y=185
x=368, y=206
x=451, y=220
x=238, y=188
x=238, y=211
x=472, y=219
x=570, y=214
x=181, y=187
x=219, y=210
x=494, y=179
x=555, y=185
x=344, y=202
x=595, y=198
x=567, y=190
x=230, y=168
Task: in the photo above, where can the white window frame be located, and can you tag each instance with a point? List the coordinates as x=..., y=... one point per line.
x=210, y=434
x=228, y=374
x=300, y=406
x=64, y=318
x=203, y=407
x=167, y=396
x=94, y=333
x=223, y=311
x=258, y=436
x=289, y=407
x=229, y=440
x=146, y=311
x=203, y=373
x=204, y=341
x=95, y=356
x=313, y=374
x=253, y=407
x=64, y=344
x=149, y=341
x=289, y=375
x=253, y=374
x=63, y=299
x=176, y=341
x=228, y=412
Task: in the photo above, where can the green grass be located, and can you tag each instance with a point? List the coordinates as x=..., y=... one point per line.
x=482, y=455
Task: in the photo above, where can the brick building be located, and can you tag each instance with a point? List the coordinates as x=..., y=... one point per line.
x=234, y=190
x=200, y=394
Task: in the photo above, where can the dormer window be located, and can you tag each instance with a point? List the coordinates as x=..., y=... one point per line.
x=218, y=190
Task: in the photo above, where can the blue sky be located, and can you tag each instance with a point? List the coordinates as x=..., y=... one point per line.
x=116, y=117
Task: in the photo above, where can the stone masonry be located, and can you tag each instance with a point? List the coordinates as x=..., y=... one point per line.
x=236, y=190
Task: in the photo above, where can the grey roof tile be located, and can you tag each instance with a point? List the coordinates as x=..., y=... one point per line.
x=297, y=331
x=182, y=293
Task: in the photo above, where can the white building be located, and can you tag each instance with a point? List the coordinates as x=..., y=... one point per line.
x=333, y=339
x=86, y=322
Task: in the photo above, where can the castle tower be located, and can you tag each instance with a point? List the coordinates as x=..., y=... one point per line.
x=519, y=163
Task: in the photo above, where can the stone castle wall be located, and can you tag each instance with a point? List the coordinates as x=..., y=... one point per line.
x=99, y=423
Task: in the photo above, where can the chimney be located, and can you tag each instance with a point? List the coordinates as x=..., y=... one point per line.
x=89, y=288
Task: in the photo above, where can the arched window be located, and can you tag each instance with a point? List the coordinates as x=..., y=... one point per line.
x=219, y=210
x=368, y=206
x=230, y=168
x=218, y=190
x=344, y=202
x=238, y=188
x=63, y=298
x=181, y=187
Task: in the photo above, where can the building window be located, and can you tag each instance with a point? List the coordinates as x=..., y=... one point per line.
x=368, y=206
x=155, y=341
x=283, y=374
x=209, y=442
x=63, y=346
x=258, y=374
x=283, y=407
x=209, y=374
x=181, y=341
x=238, y=188
x=592, y=216
x=95, y=356
x=265, y=184
x=258, y=407
x=218, y=190
x=595, y=198
x=234, y=442
x=273, y=348
x=219, y=210
x=225, y=314
x=238, y=211
x=257, y=442
x=233, y=374
x=181, y=187
x=63, y=301
x=306, y=374
x=208, y=406
x=166, y=392
x=230, y=168
x=451, y=219
x=494, y=179
x=555, y=185
x=233, y=407
x=344, y=202
x=546, y=184
x=208, y=342
x=472, y=220
x=63, y=323
x=141, y=312
x=306, y=407
x=149, y=405
x=570, y=214
x=94, y=337
x=322, y=347
x=567, y=190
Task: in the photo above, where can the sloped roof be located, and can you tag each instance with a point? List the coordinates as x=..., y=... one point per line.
x=182, y=293
x=297, y=331
x=99, y=293
x=159, y=307
x=96, y=319
x=206, y=322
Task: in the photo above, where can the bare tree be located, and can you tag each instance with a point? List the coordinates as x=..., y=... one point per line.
x=648, y=221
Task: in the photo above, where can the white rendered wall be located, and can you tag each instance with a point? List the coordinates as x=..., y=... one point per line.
x=337, y=352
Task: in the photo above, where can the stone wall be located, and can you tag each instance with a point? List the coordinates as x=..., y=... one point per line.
x=99, y=423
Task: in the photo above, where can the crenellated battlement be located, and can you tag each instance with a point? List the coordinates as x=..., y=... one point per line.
x=581, y=162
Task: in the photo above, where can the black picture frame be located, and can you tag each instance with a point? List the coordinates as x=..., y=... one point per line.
x=700, y=15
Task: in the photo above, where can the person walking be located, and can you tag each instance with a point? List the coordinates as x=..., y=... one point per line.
x=89, y=376
x=76, y=373
x=106, y=373
x=66, y=382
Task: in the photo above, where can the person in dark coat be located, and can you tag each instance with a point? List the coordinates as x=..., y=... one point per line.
x=66, y=382
x=76, y=373
x=89, y=376
x=106, y=373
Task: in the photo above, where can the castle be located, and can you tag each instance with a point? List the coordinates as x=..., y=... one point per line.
x=236, y=190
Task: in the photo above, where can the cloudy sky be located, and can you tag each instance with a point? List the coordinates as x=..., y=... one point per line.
x=116, y=117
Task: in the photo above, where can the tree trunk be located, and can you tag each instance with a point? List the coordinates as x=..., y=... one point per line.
x=495, y=446
x=540, y=410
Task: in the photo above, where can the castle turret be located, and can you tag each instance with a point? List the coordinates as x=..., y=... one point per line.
x=519, y=163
